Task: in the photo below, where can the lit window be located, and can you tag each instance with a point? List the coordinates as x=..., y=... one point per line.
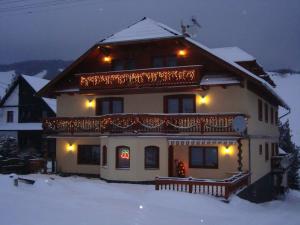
x=122, y=157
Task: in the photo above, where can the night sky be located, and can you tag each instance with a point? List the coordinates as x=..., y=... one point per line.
x=268, y=29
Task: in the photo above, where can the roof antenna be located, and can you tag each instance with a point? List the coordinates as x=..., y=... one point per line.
x=190, y=29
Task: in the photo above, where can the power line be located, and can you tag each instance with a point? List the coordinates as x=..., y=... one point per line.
x=41, y=5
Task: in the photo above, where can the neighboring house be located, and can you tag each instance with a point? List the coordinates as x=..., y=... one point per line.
x=22, y=112
x=149, y=101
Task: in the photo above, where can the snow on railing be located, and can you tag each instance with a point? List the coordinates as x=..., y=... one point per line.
x=219, y=188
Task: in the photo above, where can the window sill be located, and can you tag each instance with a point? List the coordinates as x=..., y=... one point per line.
x=203, y=167
x=105, y=167
x=151, y=168
x=122, y=168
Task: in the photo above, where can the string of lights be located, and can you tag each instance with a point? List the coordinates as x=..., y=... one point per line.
x=160, y=77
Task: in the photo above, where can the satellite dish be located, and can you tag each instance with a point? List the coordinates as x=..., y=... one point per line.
x=239, y=124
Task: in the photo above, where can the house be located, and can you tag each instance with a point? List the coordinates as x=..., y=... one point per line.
x=22, y=112
x=149, y=101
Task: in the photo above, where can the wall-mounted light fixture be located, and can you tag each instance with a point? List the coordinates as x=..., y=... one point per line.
x=70, y=147
x=90, y=103
x=227, y=150
x=107, y=59
x=202, y=99
x=181, y=52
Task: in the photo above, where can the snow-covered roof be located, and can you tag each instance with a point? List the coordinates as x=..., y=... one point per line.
x=234, y=54
x=5, y=81
x=143, y=29
x=20, y=126
x=37, y=84
x=218, y=79
x=281, y=151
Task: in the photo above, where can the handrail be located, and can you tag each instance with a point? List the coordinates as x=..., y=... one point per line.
x=143, y=123
x=220, y=188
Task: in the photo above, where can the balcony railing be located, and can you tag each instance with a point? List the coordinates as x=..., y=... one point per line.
x=143, y=123
x=141, y=78
x=219, y=188
x=281, y=163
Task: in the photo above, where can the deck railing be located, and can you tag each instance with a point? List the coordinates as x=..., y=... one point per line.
x=280, y=163
x=223, y=188
x=142, y=123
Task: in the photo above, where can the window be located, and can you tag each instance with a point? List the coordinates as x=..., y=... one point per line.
x=104, y=155
x=273, y=149
x=166, y=61
x=260, y=149
x=266, y=151
x=276, y=149
x=152, y=157
x=109, y=106
x=122, y=157
x=88, y=154
x=123, y=64
x=203, y=157
x=276, y=117
x=272, y=115
x=180, y=104
x=260, y=113
x=171, y=61
x=10, y=117
x=118, y=65
x=266, y=113
x=158, y=62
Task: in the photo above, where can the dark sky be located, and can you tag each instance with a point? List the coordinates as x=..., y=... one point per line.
x=268, y=29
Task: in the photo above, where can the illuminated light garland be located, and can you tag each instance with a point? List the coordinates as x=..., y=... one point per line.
x=143, y=78
x=150, y=122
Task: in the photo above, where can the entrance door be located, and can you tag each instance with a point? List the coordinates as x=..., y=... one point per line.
x=170, y=161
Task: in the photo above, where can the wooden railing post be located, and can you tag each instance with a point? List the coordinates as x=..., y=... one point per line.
x=156, y=183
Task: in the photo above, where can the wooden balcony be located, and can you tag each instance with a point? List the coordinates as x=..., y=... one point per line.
x=281, y=163
x=218, y=188
x=141, y=78
x=143, y=123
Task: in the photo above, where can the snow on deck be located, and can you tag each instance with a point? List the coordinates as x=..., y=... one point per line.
x=234, y=54
x=81, y=201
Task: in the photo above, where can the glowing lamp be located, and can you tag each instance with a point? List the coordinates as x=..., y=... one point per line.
x=202, y=100
x=182, y=52
x=70, y=148
x=90, y=103
x=227, y=150
x=107, y=59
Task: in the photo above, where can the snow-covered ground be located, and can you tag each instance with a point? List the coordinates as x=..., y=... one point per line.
x=288, y=87
x=82, y=201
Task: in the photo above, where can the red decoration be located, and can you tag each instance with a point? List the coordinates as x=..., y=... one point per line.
x=180, y=169
x=124, y=154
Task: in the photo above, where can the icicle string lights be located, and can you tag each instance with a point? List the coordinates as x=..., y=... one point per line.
x=142, y=78
x=142, y=123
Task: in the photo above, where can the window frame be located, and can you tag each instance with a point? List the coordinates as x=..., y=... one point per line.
x=87, y=163
x=180, y=102
x=99, y=102
x=156, y=158
x=260, y=110
x=204, y=158
x=117, y=157
x=267, y=153
x=266, y=108
x=10, y=116
x=260, y=151
x=104, y=155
